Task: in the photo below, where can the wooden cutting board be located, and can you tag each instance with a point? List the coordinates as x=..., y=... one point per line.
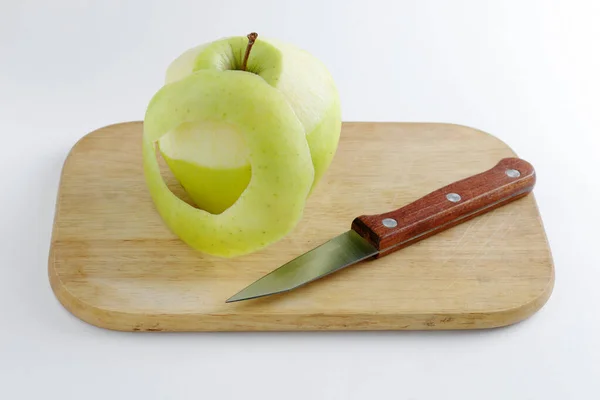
x=114, y=264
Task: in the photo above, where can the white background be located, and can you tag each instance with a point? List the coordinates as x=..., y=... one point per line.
x=525, y=71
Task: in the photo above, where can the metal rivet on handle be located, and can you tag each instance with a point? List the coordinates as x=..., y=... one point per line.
x=389, y=223
x=513, y=173
x=453, y=197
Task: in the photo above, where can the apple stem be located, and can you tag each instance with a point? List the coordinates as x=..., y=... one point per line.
x=251, y=38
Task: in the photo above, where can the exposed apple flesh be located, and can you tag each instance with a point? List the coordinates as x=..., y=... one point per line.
x=247, y=146
x=211, y=160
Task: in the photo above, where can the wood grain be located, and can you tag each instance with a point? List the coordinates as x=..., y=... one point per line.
x=434, y=212
x=114, y=264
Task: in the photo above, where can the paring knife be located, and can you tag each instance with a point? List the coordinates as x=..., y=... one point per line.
x=375, y=236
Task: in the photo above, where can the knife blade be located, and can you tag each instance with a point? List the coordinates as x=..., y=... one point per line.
x=374, y=236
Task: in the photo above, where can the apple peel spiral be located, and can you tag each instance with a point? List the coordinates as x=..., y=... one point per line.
x=247, y=134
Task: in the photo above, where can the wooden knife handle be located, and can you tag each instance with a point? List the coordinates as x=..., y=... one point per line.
x=510, y=179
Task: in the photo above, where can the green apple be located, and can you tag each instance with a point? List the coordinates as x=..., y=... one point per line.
x=248, y=127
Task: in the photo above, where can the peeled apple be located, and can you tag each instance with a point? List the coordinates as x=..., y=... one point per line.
x=248, y=127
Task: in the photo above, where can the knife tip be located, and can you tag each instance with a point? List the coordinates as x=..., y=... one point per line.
x=245, y=295
x=235, y=298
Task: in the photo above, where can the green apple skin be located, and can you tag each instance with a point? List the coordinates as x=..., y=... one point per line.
x=282, y=170
x=247, y=146
x=303, y=80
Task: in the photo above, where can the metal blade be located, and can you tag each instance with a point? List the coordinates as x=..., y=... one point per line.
x=339, y=252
